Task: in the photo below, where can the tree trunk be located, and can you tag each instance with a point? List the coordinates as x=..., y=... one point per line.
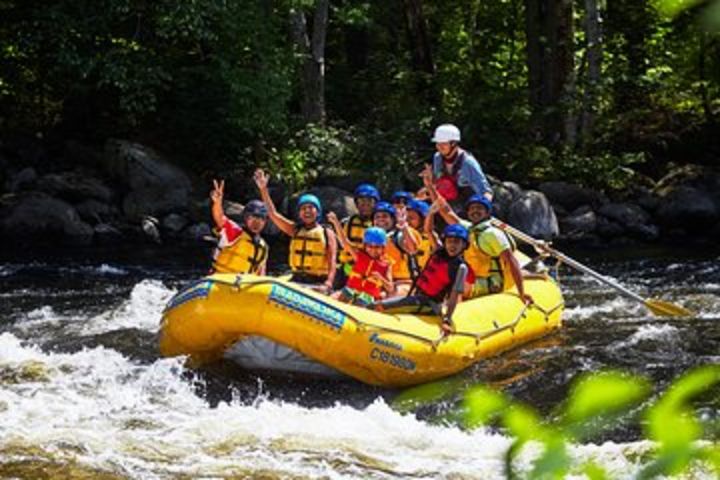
x=593, y=35
x=312, y=48
x=551, y=68
x=417, y=32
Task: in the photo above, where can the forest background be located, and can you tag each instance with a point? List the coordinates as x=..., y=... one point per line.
x=597, y=92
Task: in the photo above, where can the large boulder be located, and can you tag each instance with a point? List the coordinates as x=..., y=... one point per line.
x=22, y=180
x=154, y=202
x=571, y=196
x=140, y=167
x=633, y=219
x=579, y=223
x=156, y=187
x=94, y=211
x=532, y=213
x=41, y=217
x=74, y=187
x=504, y=194
x=688, y=208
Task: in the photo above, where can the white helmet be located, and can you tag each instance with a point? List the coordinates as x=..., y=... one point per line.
x=446, y=133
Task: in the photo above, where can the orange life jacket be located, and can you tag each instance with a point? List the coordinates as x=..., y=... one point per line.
x=360, y=278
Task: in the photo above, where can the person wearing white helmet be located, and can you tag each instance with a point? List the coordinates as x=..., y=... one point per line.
x=455, y=173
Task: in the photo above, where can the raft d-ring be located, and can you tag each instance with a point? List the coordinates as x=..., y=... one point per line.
x=237, y=282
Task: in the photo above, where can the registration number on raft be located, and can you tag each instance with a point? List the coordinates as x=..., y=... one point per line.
x=308, y=306
x=392, y=359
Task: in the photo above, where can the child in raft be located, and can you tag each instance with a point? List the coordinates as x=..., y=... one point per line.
x=371, y=274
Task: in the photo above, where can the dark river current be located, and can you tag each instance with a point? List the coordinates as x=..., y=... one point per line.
x=85, y=394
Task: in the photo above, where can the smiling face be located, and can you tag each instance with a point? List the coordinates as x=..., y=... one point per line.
x=477, y=212
x=414, y=219
x=255, y=224
x=383, y=220
x=308, y=213
x=365, y=206
x=375, y=251
x=454, y=246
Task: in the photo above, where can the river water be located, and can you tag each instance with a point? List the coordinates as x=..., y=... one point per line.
x=84, y=393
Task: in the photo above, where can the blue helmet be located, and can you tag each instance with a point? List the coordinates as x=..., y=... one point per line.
x=312, y=200
x=384, y=207
x=367, y=190
x=456, y=230
x=481, y=199
x=375, y=236
x=401, y=196
x=255, y=208
x=419, y=206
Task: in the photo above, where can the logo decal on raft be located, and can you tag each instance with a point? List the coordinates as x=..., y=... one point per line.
x=392, y=359
x=297, y=301
x=378, y=340
x=199, y=289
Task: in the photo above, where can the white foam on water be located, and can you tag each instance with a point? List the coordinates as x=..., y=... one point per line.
x=616, y=307
x=663, y=333
x=105, y=269
x=99, y=409
x=142, y=310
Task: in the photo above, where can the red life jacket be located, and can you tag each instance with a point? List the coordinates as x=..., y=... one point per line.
x=447, y=185
x=438, y=276
x=360, y=278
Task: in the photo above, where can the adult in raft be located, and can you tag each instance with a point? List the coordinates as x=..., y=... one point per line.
x=240, y=248
x=490, y=250
x=313, y=247
x=455, y=172
x=366, y=196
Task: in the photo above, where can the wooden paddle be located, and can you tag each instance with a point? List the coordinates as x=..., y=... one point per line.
x=658, y=307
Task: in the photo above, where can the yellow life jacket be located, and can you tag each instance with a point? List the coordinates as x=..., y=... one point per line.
x=308, y=251
x=494, y=269
x=354, y=229
x=424, y=250
x=243, y=255
x=404, y=265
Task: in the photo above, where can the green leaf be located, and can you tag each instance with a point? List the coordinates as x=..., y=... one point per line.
x=482, y=404
x=594, y=471
x=413, y=397
x=554, y=461
x=524, y=423
x=604, y=393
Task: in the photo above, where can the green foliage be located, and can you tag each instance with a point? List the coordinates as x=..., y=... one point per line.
x=595, y=402
x=219, y=84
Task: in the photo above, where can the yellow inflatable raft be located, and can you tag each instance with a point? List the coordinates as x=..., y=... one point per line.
x=207, y=318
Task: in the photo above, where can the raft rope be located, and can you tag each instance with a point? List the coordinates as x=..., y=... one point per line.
x=364, y=326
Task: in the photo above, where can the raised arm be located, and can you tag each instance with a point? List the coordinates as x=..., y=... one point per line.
x=285, y=225
x=216, y=197
x=446, y=211
x=409, y=240
x=429, y=226
x=341, y=235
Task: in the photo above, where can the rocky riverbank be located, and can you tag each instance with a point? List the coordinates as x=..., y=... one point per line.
x=129, y=193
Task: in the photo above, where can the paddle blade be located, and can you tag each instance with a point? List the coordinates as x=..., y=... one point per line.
x=667, y=309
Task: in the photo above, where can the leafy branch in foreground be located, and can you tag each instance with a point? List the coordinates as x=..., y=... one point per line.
x=597, y=402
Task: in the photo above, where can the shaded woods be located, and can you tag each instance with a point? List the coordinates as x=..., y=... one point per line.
x=595, y=92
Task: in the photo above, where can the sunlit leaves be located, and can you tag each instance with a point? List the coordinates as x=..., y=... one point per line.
x=597, y=399
x=682, y=438
x=482, y=404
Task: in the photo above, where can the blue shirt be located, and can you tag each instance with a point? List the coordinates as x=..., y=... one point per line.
x=470, y=174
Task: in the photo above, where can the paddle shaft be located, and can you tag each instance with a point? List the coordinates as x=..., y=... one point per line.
x=565, y=259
